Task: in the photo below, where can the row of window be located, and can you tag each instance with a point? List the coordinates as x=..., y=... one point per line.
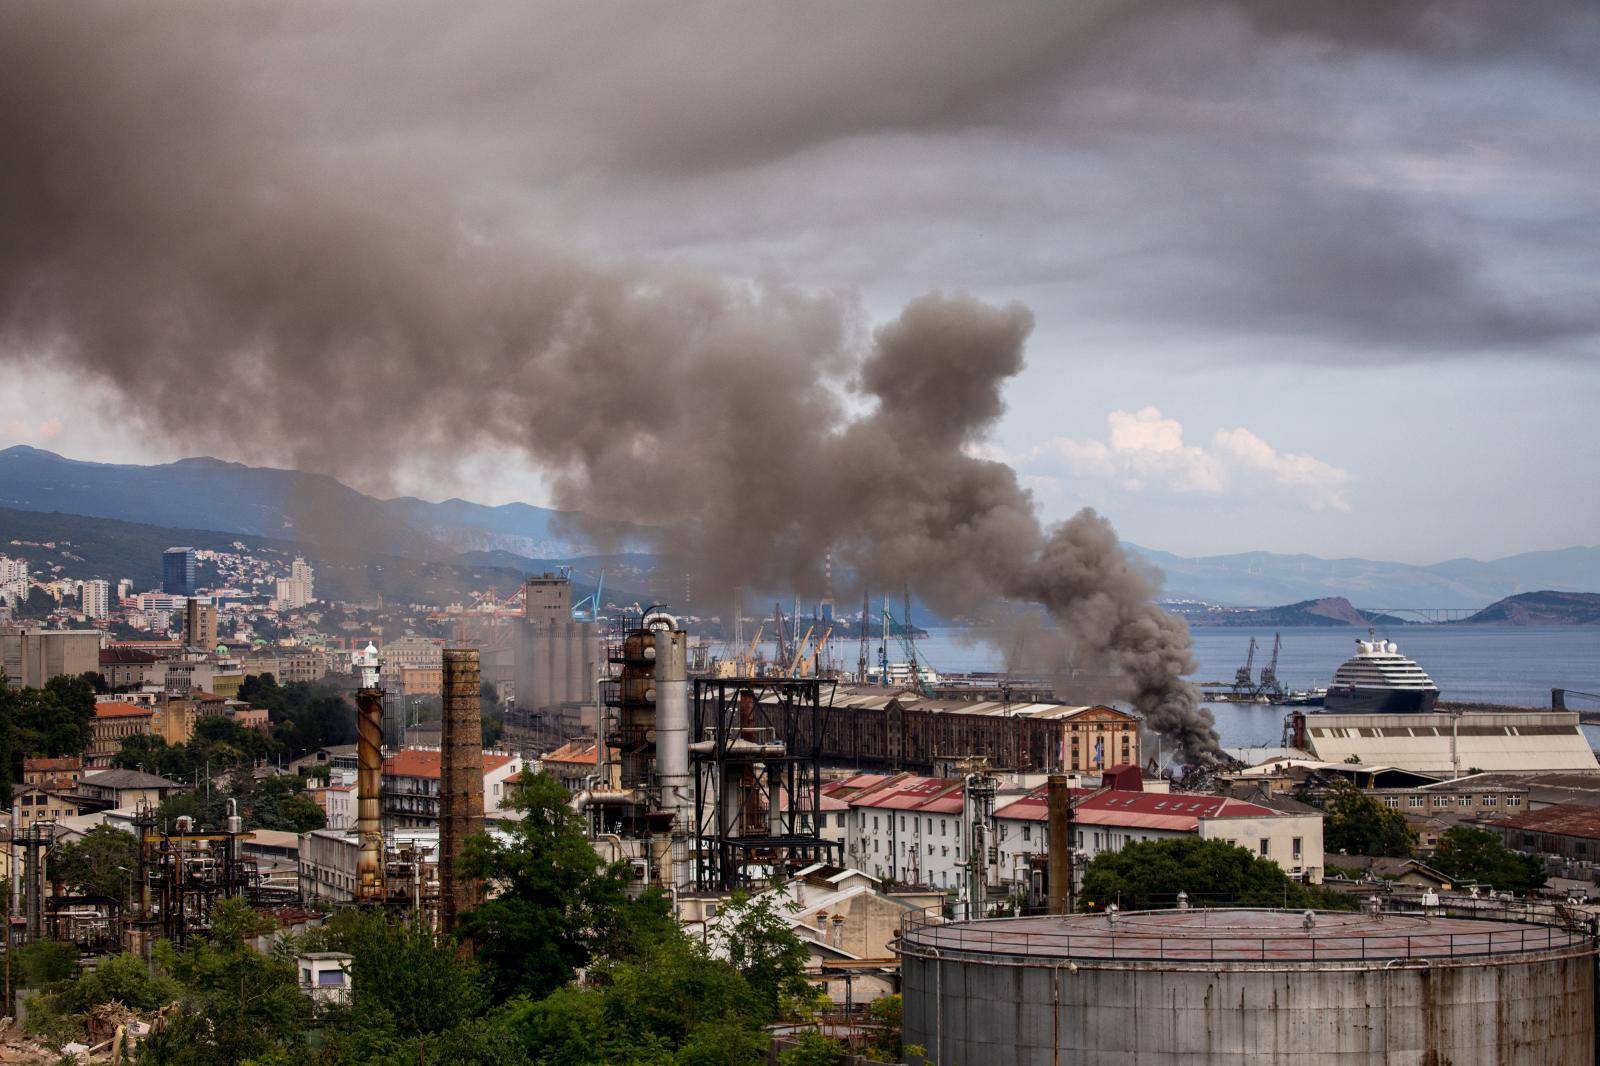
x=1487, y=800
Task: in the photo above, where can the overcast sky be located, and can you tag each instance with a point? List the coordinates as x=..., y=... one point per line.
x=1307, y=278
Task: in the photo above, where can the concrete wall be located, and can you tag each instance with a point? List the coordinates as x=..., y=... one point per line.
x=1466, y=1014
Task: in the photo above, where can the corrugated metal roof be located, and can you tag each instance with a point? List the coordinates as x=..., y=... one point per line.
x=1532, y=740
x=1563, y=819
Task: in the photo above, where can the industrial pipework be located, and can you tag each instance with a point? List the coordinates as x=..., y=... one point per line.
x=460, y=782
x=369, y=778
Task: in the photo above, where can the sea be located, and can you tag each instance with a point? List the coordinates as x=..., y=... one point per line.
x=1512, y=665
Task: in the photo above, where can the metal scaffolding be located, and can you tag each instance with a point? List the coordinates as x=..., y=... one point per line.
x=756, y=747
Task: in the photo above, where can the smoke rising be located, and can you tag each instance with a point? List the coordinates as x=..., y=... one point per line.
x=295, y=305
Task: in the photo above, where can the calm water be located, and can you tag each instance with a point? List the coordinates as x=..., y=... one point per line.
x=1516, y=665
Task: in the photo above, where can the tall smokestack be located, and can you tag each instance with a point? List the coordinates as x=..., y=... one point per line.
x=460, y=782
x=1060, y=844
x=672, y=725
x=369, y=782
x=369, y=778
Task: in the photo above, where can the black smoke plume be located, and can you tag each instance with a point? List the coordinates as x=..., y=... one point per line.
x=163, y=230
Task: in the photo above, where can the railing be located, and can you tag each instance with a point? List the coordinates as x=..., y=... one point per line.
x=1402, y=940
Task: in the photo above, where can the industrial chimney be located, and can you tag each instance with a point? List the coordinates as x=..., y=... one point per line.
x=460, y=782
x=369, y=778
x=1059, y=796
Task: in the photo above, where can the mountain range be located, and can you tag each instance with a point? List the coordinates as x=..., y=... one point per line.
x=289, y=505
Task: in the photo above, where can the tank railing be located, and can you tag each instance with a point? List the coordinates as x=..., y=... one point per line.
x=992, y=938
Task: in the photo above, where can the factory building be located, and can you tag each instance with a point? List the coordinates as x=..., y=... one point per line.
x=30, y=657
x=1110, y=819
x=875, y=728
x=1232, y=987
x=1448, y=744
x=557, y=668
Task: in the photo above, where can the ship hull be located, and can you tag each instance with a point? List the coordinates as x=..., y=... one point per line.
x=1361, y=700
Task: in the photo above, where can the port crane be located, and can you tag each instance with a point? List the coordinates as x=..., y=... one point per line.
x=1244, y=677
x=1269, y=674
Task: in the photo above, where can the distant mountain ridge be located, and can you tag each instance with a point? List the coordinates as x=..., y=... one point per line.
x=210, y=494
x=283, y=504
x=1543, y=608
x=1264, y=579
x=1327, y=611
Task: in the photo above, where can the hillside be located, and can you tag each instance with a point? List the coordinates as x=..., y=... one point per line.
x=84, y=547
x=213, y=495
x=1267, y=578
x=1327, y=611
x=1544, y=608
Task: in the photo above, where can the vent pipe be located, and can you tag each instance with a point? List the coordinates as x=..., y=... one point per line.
x=460, y=782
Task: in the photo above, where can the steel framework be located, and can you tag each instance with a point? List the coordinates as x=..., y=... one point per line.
x=756, y=747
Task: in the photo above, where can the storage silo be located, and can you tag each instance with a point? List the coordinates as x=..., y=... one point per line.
x=1194, y=987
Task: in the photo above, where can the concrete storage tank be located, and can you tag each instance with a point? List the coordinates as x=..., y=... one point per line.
x=1248, y=986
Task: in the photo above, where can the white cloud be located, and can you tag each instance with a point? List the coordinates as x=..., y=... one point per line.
x=1144, y=450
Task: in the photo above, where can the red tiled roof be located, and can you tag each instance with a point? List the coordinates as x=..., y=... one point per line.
x=1140, y=810
x=112, y=709
x=120, y=656
x=905, y=792
x=416, y=762
x=586, y=752
x=41, y=764
x=1560, y=819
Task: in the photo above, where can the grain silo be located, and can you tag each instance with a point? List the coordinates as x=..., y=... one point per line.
x=1249, y=986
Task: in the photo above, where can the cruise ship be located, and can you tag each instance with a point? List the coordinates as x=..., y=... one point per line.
x=1379, y=680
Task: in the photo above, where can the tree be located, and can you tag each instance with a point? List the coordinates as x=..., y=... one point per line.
x=101, y=864
x=556, y=906
x=1359, y=825
x=811, y=1048
x=406, y=970
x=238, y=1004
x=1469, y=854
x=675, y=1004
x=763, y=947
x=1150, y=874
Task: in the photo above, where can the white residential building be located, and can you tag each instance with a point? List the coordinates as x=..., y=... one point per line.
x=96, y=598
x=299, y=588
x=13, y=580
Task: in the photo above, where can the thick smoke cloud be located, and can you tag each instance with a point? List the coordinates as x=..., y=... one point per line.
x=246, y=271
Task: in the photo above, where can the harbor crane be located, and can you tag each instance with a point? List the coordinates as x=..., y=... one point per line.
x=1244, y=677
x=1269, y=674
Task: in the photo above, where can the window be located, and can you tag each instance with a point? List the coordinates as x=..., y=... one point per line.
x=1463, y=801
x=902, y=823
x=1265, y=846
x=874, y=823
x=930, y=827
x=1491, y=801
x=1294, y=849
x=943, y=824
x=1416, y=801
x=930, y=849
x=1004, y=830
x=1393, y=801
x=944, y=851
x=1441, y=801
x=1513, y=801
x=1027, y=832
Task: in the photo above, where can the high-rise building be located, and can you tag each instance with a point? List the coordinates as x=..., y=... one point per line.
x=177, y=571
x=299, y=588
x=96, y=597
x=13, y=581
x=200, y=624
x=124, y=588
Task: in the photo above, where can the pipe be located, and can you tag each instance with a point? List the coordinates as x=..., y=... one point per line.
x=369, y=788
x=460, y=782
x=1059, y=797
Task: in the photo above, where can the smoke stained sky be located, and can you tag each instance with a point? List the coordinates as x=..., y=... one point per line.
x=1361, y=235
